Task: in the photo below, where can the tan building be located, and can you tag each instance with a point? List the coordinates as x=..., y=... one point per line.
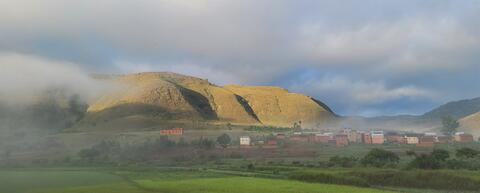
x=412, y=139
x=352, y=136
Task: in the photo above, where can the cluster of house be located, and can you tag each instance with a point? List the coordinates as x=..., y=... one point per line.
x=349, y=136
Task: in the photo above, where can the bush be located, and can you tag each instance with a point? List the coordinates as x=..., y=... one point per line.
x=467, y=153
x=435, y=160
x=425, y=161
x=380, y=158
x=204, y=143
x=88, y=154
x=417, y=179
x=346, y=162
x=268, y=129
x=319, y=177
x=469, y=164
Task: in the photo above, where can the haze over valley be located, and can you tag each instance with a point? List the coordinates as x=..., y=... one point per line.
x=235, y=96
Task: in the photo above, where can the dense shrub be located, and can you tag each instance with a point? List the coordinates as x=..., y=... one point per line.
x=467, y=153
x=435, y=160
x=425, y=161
x=418, y=179
x=268, y=129
x=346, y=162
x=469, y=164
x=328, y=178
x=380, y=158
x=204, y=143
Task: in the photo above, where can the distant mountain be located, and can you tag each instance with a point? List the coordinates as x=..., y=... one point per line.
x=467, y=111
x=163, y=96
x=456, y=109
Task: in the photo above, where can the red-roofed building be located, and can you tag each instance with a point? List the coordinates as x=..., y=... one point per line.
x=281, y=136
x=173, y=131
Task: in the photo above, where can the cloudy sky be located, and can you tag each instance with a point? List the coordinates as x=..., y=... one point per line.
x=369, y=57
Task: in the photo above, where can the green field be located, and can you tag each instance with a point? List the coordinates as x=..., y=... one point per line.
x=247, y=184
x=66, y=181
x=261, y=180
x=29, y=180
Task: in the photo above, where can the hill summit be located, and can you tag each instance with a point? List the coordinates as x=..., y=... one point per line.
x=171, y=96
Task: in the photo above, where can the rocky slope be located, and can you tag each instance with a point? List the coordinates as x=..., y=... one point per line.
x=277, y=106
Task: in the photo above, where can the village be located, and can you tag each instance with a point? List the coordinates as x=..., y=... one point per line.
x=342, y=138
x=352, y=136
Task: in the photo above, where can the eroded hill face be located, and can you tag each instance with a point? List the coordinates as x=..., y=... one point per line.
x=277, y=106
x=471, y=124
x=173, y=96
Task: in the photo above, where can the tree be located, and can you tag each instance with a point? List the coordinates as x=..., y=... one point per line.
x=77, y=107
x=297, y=126
x=425, y=161
x=435, y=160
x=440, y=154
x=6, y=154
x=89, y=154
x=164, y=142
x=224, y=140
x=467, y=153
x=450, y=125
x=346, y=162
x=182, y=142
x=380, y=158
x=203, y=143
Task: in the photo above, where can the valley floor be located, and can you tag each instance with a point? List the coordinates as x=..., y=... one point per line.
x=175, y=180
x=90, y=181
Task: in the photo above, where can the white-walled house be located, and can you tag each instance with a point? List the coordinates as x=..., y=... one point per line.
x=245, y=141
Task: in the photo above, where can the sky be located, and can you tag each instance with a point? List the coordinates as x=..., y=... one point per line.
x=369, y=57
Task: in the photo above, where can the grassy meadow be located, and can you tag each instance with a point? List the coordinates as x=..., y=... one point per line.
x=172, y=181
x=211, y=180
x=19, y=181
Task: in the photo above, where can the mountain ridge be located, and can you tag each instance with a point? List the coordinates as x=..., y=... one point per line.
x=172, y=96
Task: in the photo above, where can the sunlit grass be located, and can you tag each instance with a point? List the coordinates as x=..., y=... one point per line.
x=246, y=184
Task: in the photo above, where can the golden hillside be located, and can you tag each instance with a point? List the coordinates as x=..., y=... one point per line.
x=471, y=123
x=277, y=106
x=172, y=96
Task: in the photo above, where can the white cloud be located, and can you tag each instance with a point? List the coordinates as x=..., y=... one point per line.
x=360, y=92
x=411, y=45
x=22, y=77
x=236, y=36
